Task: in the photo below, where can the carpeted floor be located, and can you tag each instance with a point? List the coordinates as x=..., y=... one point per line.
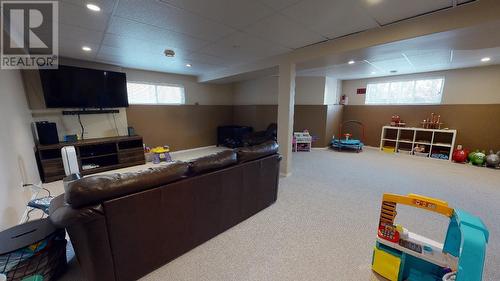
x=323, y=225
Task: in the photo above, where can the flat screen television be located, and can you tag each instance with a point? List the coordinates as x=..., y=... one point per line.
x=76, y=87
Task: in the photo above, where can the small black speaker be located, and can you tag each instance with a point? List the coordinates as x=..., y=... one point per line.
x=47, y=132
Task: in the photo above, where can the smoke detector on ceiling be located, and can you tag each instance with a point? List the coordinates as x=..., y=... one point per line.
x=169, y=53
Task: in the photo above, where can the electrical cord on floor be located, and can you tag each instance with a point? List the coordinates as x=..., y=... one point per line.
x=81, y=125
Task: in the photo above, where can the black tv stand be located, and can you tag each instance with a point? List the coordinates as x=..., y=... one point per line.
x=90, y=111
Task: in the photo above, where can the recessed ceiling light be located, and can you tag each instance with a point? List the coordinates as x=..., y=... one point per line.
x=485, y=59
x=188, y=65
x=351, y=62
x=93, y=7
x=86, y=48
x=373, y=72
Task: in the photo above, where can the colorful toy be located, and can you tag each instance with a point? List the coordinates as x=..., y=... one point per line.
x=348, y=142
x=432, y=122
x=492, y=160
x=403, y=255
x=477, y=157
x=459, y=155
x=158, y=152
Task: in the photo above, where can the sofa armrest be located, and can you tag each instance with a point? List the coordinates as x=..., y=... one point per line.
x=63, y=215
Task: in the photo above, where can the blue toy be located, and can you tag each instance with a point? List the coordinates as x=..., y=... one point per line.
x=347, y=142
x=402, y=255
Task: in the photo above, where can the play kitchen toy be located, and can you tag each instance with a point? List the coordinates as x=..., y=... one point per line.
x=302, y=141
x=401, y=255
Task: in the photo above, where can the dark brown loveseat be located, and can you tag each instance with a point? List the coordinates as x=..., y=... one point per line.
x=124, y=226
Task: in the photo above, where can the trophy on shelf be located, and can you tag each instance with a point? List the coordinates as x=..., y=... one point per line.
x=432, y=122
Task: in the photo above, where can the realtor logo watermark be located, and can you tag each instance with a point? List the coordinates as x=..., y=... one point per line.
x=29, y=35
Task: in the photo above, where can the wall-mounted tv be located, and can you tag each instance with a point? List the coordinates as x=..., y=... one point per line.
x=76, y=87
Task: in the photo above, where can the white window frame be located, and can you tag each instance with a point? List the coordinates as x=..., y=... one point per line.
x=406, y=80
x=156, y=92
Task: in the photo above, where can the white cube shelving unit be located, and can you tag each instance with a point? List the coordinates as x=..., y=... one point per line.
x=408, y=138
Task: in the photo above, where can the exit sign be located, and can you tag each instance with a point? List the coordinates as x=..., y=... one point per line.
x=361, y=91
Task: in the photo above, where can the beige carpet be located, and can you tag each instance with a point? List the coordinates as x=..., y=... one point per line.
x=323, y=225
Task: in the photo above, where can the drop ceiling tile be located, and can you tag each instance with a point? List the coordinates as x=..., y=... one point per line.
x=105, y=5
x=424, y=59
x=331, y=18
x=139, y=47
x=76, y=15
x=234, y=13
x=172, y=18
x=70, y=32
x=399, y=64
x=148, y=33
x=242, y=47
x=206, y=59
x=279, y=4
x=388, y=11
x=284, y=31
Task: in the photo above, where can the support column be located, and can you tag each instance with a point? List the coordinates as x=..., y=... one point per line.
x=286, y=102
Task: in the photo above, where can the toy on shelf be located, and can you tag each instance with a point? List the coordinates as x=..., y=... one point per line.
x=403, y=255
x=347, y=142
x=493, y=160
x=159, y=151
x=302, y=141
x=432, y=122
x=396, y=121
x=460, y=155
x=477, y=157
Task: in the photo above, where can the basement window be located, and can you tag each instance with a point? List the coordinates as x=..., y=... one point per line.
x=424, y=91
x=161, y=94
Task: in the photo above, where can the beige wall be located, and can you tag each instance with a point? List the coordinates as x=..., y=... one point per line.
x=17, y=160
x=477, y=85
x=264, y=91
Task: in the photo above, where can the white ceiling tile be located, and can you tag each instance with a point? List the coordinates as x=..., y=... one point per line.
x=73, y=49
x=399, y=64
x=331, y=18
x=242, y=47
x=279, y=4
x=70, y=32
x=148, y=33
x=234, y=13
x=172, y=18
x=76, y=15
x=388, y=11
x=284, y=31
x=196, y=57
x=105, y=5
x=429, y=58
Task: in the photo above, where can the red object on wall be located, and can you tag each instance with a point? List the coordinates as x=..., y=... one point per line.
x=361, y=91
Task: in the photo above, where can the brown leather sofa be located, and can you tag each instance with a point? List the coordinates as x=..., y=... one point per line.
x=124, y=226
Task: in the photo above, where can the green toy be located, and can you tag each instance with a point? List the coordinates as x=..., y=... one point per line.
x=477, y=158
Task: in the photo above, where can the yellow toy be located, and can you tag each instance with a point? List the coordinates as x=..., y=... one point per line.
x=402, y=255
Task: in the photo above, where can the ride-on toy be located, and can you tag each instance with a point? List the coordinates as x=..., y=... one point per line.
x=401, y=255
x=347, y=142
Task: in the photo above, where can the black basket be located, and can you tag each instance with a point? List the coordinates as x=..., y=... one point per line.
x=42, y=259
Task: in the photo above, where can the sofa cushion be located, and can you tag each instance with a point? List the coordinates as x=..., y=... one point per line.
x=249, y=153
x=96, y=189
x=212, y=162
